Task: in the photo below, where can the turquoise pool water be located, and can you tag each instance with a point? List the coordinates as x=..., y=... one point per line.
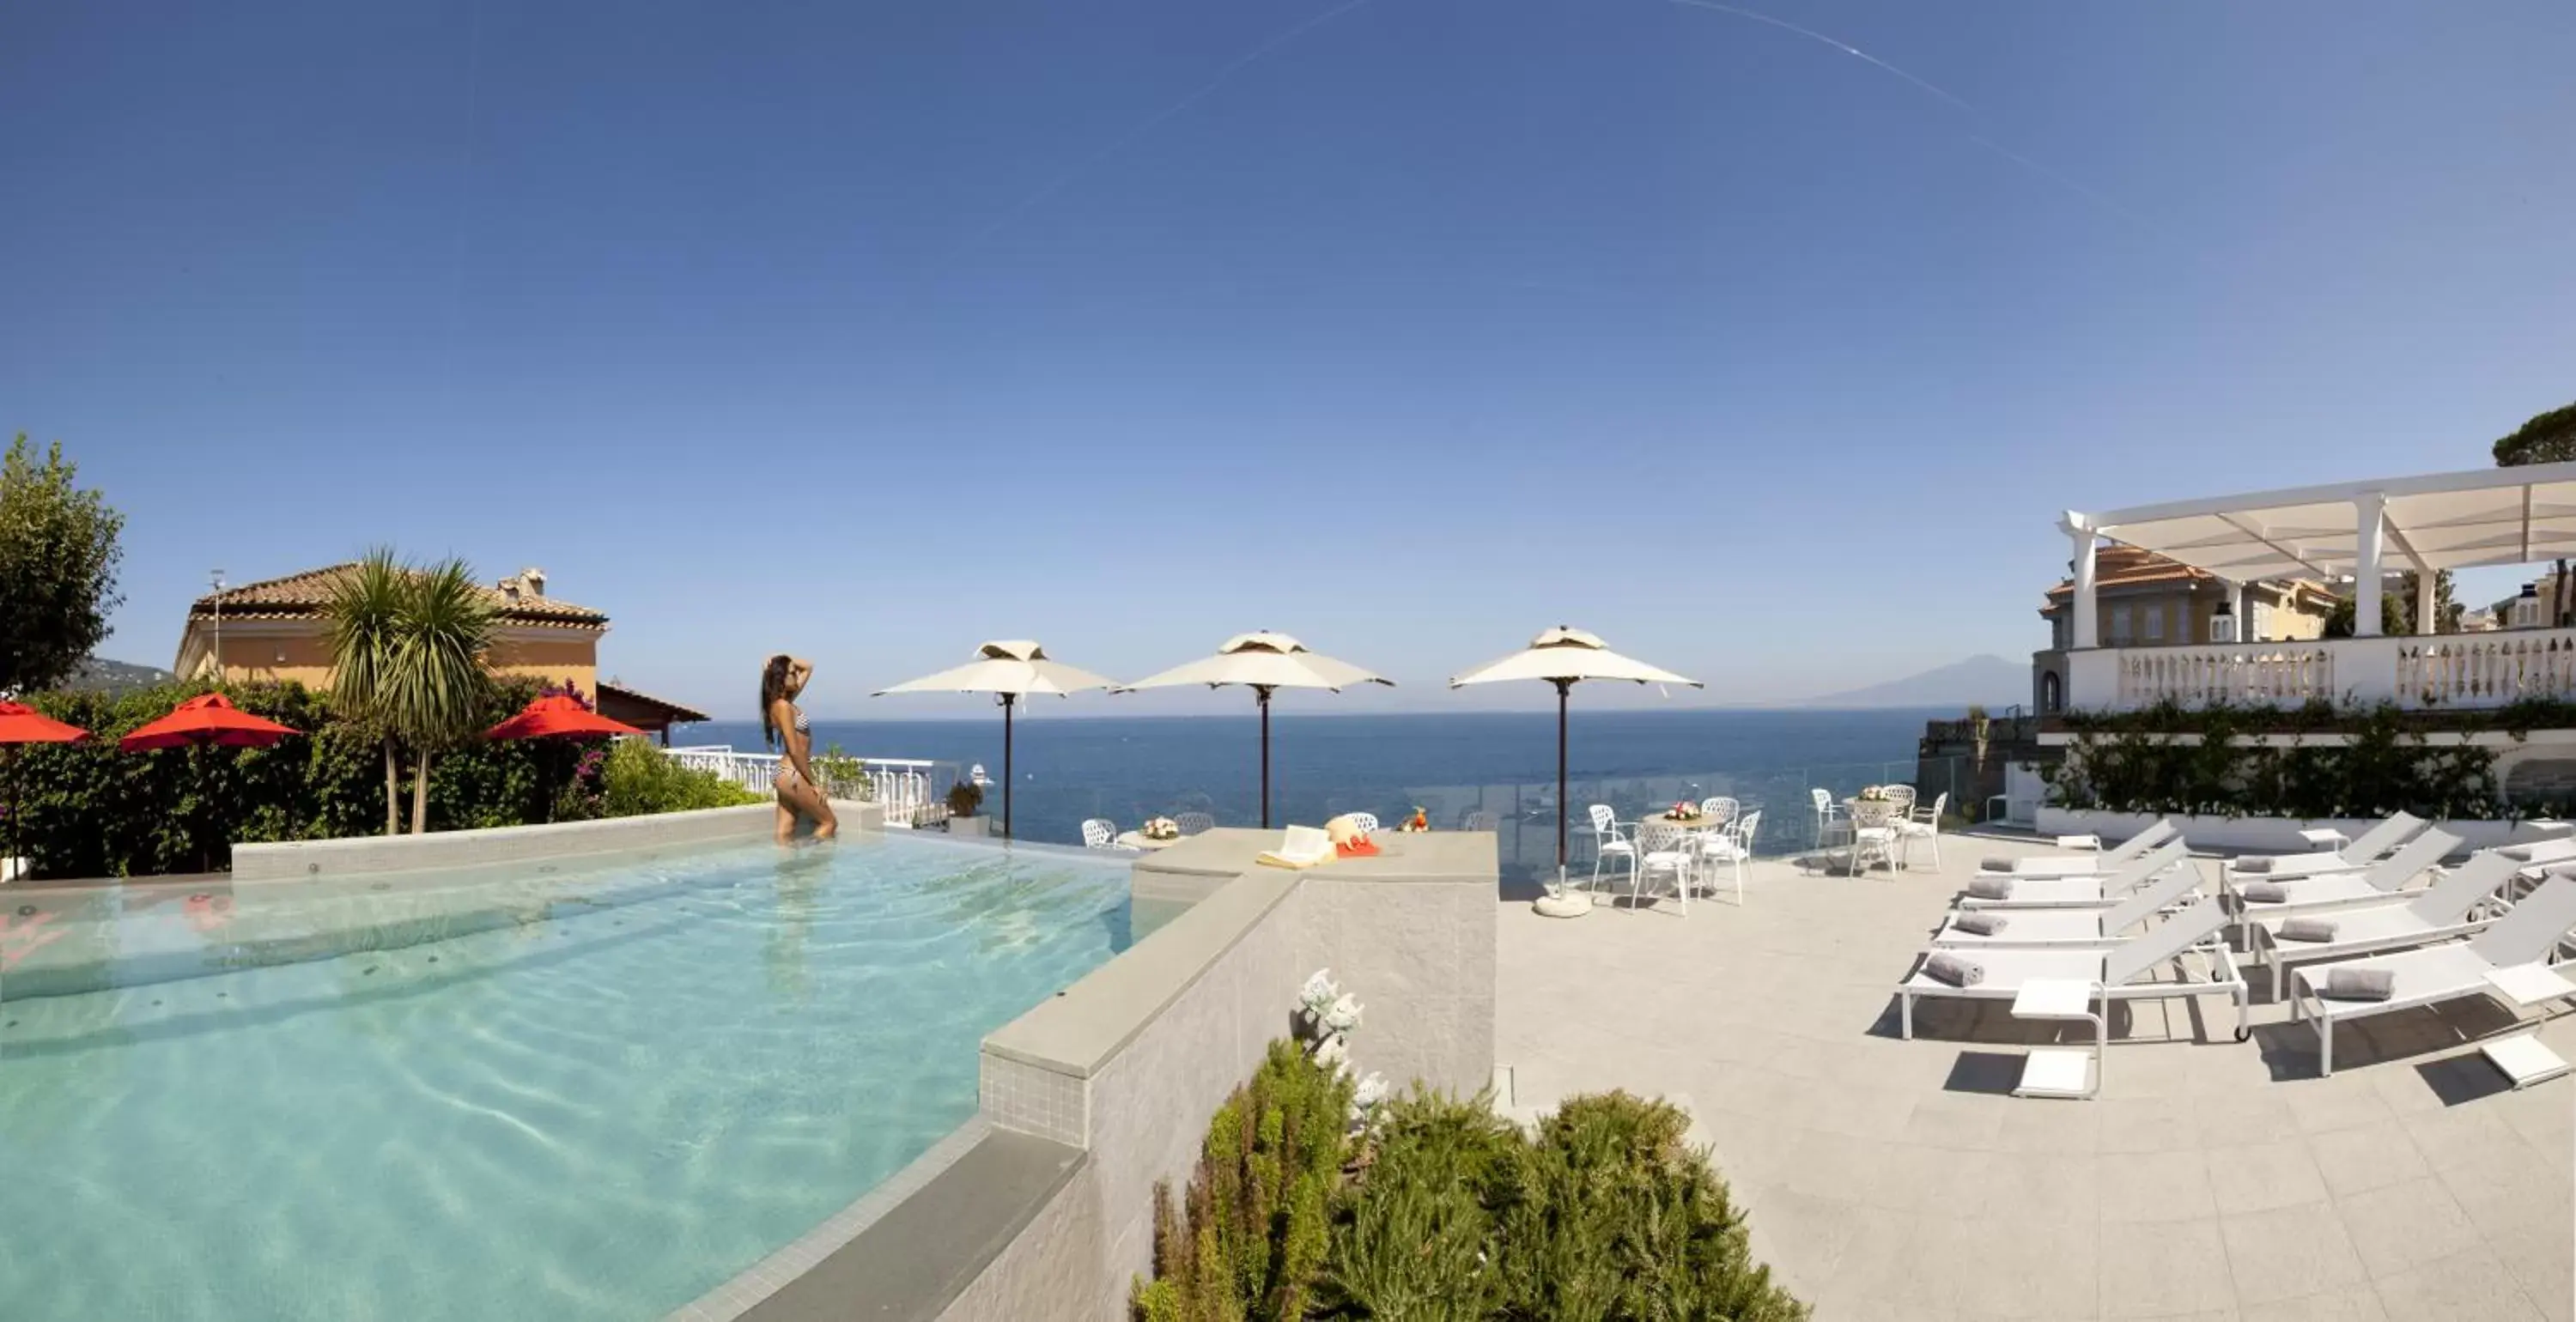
x=575, y=1094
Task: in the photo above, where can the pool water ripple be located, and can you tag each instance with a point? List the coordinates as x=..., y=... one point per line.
x=594, y=1094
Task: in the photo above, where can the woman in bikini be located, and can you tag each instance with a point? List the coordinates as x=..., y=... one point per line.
x=799, y=794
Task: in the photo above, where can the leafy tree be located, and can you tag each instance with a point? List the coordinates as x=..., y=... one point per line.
x=2549, y=438
x=2397, y=610
x=366, y=614
x=434, y=695
x=58, y=558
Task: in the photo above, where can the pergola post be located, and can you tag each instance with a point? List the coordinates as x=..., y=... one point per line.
x=2245, y=614
x=2081, y=603
x=2425, y=596
x=2370, y=527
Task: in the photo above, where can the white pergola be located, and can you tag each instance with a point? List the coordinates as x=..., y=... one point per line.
x=2356, y=530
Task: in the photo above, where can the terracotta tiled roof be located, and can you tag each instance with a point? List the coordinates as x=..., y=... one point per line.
x=2127, y=566
x=300, y=596
x=609, y=688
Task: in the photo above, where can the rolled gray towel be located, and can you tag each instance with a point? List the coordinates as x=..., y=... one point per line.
x=1979, y=921
x=2518, y=853
x=2307, y=929
x=2347, y=983
x=2265, y=892
x=1995, y=863
x=1991, y=888
x=2253, y=865
x=1955, y=970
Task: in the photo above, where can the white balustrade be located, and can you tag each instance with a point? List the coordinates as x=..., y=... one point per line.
x=2442, y=670
x=903, y=787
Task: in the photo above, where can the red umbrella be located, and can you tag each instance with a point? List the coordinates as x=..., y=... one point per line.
x=558, y=716
x=20, y=724
x=206, y=720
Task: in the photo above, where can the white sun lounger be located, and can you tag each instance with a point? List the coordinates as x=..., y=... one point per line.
x=2117, y=972
x=2528, y=934
x=2085, y=892
x=2392, y=875
x=2044, y=927
x=2539, y=860
x=2455, y=906
x=2081, y=865
x=2374, y=845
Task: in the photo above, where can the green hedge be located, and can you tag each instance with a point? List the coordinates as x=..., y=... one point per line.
x=1444, y=1212
x=88, y=810
x=2125, y=762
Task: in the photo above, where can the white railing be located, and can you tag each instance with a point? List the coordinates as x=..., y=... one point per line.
x=906, y=788
x=2486, y=669
x=2282, y=675
x=2444, y=670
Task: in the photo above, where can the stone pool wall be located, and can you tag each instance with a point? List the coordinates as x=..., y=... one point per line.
x=367, y=855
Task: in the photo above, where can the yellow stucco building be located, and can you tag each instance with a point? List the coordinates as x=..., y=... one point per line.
x=276, y=630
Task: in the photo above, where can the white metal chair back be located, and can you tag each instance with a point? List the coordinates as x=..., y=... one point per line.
x=1659, y=837
x=1191, y=823
x=1873, y=814
x=1746, y=830
x=1720, y=811
x=1605, y=823
x=1932, y=816
x=1099, y=833
x=1479, y=820
x=1903, y=797
x=1365, y=821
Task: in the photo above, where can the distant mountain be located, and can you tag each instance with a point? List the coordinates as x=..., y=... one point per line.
x=105, y=676
x=1989, y=680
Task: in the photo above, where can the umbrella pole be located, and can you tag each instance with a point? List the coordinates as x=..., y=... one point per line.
x=1563, y=687
x=1262, y=691
x=1008, y=699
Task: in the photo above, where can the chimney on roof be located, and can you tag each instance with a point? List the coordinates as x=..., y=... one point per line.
x=534, y=580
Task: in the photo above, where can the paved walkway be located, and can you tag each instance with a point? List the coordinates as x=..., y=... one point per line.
x=1897, y=1180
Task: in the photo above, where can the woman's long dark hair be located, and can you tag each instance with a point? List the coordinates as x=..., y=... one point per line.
x=773, y=686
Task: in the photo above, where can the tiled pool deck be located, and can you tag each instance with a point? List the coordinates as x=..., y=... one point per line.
x=1890, y=1179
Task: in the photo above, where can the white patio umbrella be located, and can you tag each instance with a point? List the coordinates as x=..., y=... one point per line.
x=1007, y=669
x=1264, y=662
x=1562, y=656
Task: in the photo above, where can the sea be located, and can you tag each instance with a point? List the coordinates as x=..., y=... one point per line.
x=1498, y=768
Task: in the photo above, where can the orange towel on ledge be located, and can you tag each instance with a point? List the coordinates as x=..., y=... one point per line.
x=1361, y=848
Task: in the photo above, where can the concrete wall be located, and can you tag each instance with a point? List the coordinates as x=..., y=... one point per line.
x=1130, y=1062
x=359, y=855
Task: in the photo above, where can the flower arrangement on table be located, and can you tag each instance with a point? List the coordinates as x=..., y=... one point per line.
x=1160, y=828
x=1872, y=794
x=1684, y=811
x=1417, y=824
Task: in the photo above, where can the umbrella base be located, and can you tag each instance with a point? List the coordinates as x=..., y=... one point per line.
x=1571, y=904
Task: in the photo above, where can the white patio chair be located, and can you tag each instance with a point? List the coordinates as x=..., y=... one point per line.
x=2081, y=865
x=2455, y=906
x=2118, y=972
x=1721, y=810
x=1099, y=833
x=1873, y=834
x=1365, y=821
x=2072, y=927
x=1665, y=850
x=1829, y=815
x=2262, y=897
x=1902, y=796
x=1191, y=823
x=2373, y=846
x=1923, y=824
x=2527, y=935
x=1609, y=842
x=2029, y=893
x=1731, y=848
x=1479, y=820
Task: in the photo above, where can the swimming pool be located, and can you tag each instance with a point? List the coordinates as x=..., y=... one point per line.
x=594, y=1092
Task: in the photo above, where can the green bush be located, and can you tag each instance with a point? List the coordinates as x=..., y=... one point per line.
x=1451, y=1214
x=1249, y=1239
x=639, y=779
x=2126, y=763
x=88, y=810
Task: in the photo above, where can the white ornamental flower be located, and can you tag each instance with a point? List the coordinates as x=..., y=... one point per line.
x=1342, y=1015
x=1319, y=989
x=1331, y=1052
x=1372, y=1090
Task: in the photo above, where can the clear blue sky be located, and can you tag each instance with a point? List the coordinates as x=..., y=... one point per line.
x=1408, y=326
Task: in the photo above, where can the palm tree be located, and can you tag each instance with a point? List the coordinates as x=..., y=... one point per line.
x=434, y=694
x=365, y=611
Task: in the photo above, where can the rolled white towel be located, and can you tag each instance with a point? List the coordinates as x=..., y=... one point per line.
x=2307, y=929
x=1979, y=922
x=1956, y=970
x=2348, y=983
x=1991, y=888
x=2265, y=892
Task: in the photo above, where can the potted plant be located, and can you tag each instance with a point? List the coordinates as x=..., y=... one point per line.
x=965, y=800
